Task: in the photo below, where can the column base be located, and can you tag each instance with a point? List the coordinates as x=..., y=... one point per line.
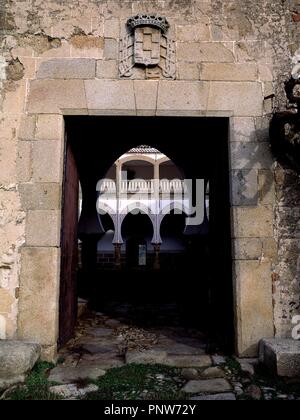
x=156, y=264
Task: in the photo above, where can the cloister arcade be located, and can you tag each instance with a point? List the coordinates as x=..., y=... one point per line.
x=145, y=181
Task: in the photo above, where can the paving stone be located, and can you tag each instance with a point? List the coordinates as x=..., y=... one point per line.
x=100, y=332
x=148, y=357
x=213, y=372
x=190, y=374
x=254, y=392
x=71, y=360
x=247, y=368
x=179, y=348
x=215, y=397
x=207, y=386
x=98, y=349
x=101, y=361
x=218, y=360
x=67, y=375
x=187, y=361
x=71, y=391
x=238, y=389
x=113, y=323
x=111, y=342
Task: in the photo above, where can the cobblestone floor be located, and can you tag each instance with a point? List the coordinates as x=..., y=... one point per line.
x=108, y=345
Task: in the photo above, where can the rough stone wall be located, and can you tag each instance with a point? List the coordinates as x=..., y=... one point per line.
x=286, y=280
x=12, y=229
x=232, y=43
x=286, y=276
x=264, y=32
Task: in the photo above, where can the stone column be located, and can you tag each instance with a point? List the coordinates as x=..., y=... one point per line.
x=156, y=264
x=157, y=204
x=118, y=243
x=156, y=171
x=118, y=191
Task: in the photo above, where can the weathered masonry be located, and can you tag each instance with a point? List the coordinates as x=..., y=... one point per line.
x=176, y=58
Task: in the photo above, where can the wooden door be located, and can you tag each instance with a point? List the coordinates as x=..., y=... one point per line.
x=69, y=249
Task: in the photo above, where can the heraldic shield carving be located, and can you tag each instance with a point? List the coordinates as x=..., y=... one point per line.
x=147, y=48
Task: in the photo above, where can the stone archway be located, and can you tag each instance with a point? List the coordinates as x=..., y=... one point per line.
x=48, y=102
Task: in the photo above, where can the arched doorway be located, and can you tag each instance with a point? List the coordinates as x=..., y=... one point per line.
x=137, y=233
x=203, y=243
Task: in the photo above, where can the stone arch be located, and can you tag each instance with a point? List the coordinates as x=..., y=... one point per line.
x=106, y=208
x=141, y=207
x=127, y=159
x=163, y=160
x=175, y=205
x=136, y=206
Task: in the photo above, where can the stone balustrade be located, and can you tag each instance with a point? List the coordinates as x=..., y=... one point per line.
x=144, y=187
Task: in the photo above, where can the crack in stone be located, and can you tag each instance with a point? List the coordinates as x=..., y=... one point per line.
x=11, y=187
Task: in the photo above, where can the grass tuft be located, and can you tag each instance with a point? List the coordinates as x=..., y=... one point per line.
x=139, y=382
x=36, y=386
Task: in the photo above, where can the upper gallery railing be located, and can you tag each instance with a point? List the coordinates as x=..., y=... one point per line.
x=136, y=186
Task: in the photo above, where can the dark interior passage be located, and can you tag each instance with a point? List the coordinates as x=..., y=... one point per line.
x=193, y=286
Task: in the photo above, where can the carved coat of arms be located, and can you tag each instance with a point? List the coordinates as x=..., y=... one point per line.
x=147, y=47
